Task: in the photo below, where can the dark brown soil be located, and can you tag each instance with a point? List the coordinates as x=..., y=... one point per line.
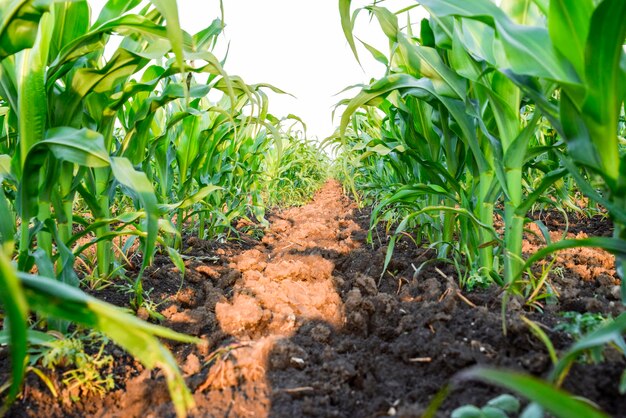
x=300, y=324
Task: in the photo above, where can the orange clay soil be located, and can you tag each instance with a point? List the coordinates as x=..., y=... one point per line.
x=285, y=281
x=297, y=325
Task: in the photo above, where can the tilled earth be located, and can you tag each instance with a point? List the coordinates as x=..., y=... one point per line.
x=302, y=324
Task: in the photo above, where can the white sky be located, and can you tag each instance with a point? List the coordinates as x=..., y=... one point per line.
x=295, y=45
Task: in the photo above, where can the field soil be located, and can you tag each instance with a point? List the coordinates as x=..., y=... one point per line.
x=302, y=323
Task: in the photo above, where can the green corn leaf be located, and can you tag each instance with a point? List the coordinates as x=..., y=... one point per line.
x=539, y=92
x=541, y=335
x=478, y=39
x=460, y=58
x=568, y=25
x=139, y=183
x=187, y=143
x=378, y=56
x=611, y=332
x=557, y=402
x=443, y=30
x=548, y=180
x=44, y=263
x=206, y=39
x=114, y=9
x=529, y=50
x=65, y=269
x=380, y=149
x=504, y=100
x=426, y=62
x=374, y=93
x=71, y=21
x=543, y=6
x=5, y=167
x=99, y=80
x=169, y=10
x=387, y=20
x=131, y=234
x=34, y=337
x=93, y=40
x=603, y=76
x=55, y=299
x=16, y=309
x=199, y=196
x=19, y=24
x=615, y=246
x=32, y=103
x=484, y=11
x=7, y=221
x=177, y=260
x=410, y=194
x=92, y=226
x=460, y=114
x=347, y=25
x=420, y=60
x=427, y=36
x=79, y=146
x=523, y=12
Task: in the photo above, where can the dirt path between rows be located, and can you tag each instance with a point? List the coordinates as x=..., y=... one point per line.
x=286, y=281
x=297, y=325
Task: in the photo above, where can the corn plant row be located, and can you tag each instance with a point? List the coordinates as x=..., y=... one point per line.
x=294, y=167
x=483, y=112
x=460, y=126
x=103, y=146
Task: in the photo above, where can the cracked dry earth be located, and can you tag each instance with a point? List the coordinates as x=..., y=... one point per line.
x=297, y=325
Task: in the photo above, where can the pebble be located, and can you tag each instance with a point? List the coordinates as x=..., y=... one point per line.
x=616, y=292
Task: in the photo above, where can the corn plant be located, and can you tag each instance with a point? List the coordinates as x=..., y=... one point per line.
x=119, y=141
x=580, y=52
x=499, y=74
x=51, y=89
x=60, y=101
x=478, y=104
x=457, y=125
x=22, y=292
x=588, y=69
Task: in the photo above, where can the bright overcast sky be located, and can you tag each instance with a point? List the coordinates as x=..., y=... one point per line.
x=296, y=45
